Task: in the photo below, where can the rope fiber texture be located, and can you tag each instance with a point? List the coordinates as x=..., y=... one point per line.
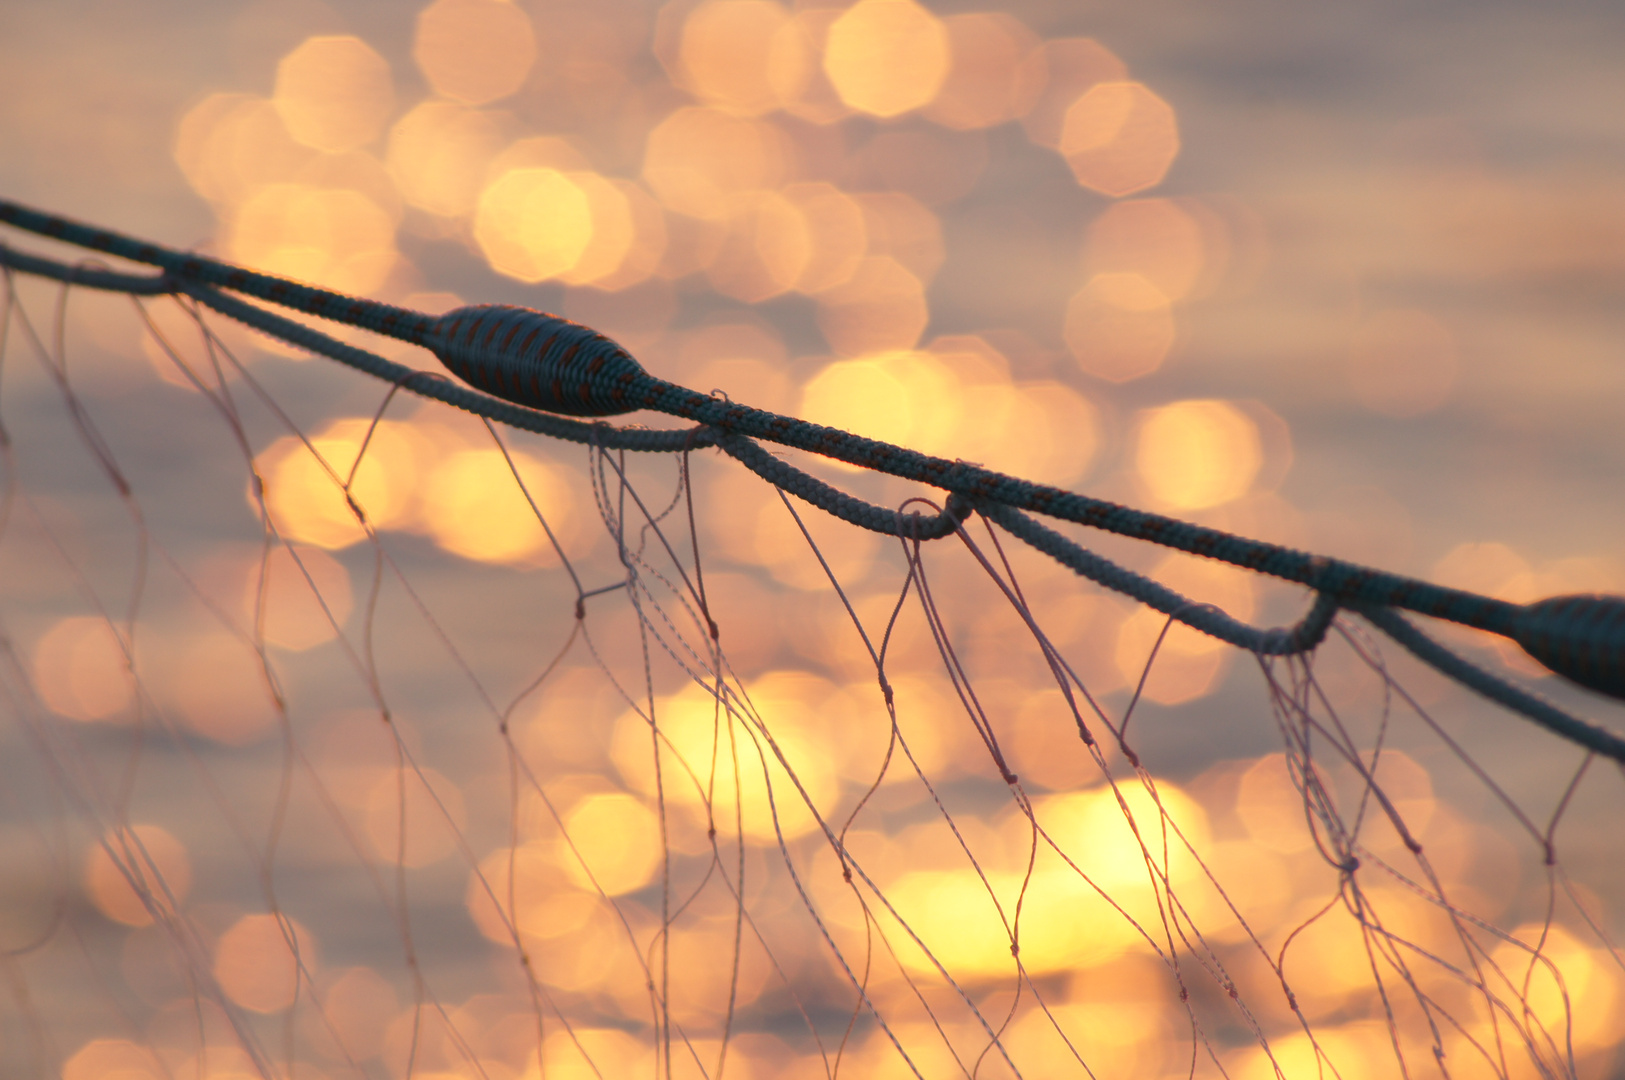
x=532, y=371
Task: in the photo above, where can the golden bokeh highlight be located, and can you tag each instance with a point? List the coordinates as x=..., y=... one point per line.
x=229, y=144
x=533, y=224
x=614, y=230
x=336, y=238
x=992, y=77
x=1119, y=327
x=81, y=671
x=1584, y=1006
x=526, y=891
x=882, y=306
x=217, y=685
x=1157, y=239
x=887, y=57
x=307, y=502
x=1403, y=362
x=135, y=871
x=906, y=398
x=438, y=153
x=302, y=596
x=474, y=51
x=766, y=251
x=1271, y=806
x=614, y=843
x=699, y=749
x=1191, y=455
x=258, y=962
x=115, y=1059
x=1066, y=69
x=837, y=235
x=697, y=160
x=334, y=93
x=1119, y=138
x=473, y=507
x=356, y=1008
x=742, y=56
x=414, y=817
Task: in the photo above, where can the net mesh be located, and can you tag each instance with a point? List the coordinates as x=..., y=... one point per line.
x=405, y=744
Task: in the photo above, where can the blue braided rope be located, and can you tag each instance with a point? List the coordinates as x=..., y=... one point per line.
x=551, y=365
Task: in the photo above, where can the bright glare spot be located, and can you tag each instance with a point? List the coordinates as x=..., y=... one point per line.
x=1195, y=454
x=414, y=817
x=1586, y=1001
x=81, y=672
x=732, y=51
x=906, y=398
x=533, y=224
x=307, y=502
x=766, y=250
x=474, y=51
x=615, y=841
x=1403, y=362
x=474, y=508
x=1119, y=327
x=136, y=870
x=264, y=962
x=1120, y=138
x=886, y=57
x=1186, y=665
x=334, y=93
x=699, y=753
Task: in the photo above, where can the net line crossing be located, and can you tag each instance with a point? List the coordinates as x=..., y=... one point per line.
x=534, y=371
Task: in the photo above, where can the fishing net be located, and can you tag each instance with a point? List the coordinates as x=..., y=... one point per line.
x=398, y=742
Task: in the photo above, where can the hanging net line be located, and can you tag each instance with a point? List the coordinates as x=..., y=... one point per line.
x=738, y=899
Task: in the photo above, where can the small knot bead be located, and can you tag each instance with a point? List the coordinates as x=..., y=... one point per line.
x=1580, y=637
x=536, y=359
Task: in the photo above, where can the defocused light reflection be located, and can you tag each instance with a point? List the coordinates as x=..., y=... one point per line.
x=698, y=159
x=533, y=224
x=887, y=57
x=258, y=961
x=335, y=238
x=881, y=306
x=1584, y=1005
x=356, y=1006
x=474, y=51
x=473, y=507
x=1119, y=327
x=837, y=235
x=102, y=1059
x=158, y=863
x=1195, y=454
x=81, y=672
x=438, y=154
x=1187, y=662
x=229, y=144
x=1157, y=239
x=1065, y=68
x=298, y=595
x=1270, y=804
x=738, y=56
x=217, y=685
x=614, y=843
x=307, y=502
x=1119, y=138
x=414, y=817
x=1402, y=362
x=700, y=746
x=766, y=250
x=992, y=77
x=334, y=93
x=907, y=398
